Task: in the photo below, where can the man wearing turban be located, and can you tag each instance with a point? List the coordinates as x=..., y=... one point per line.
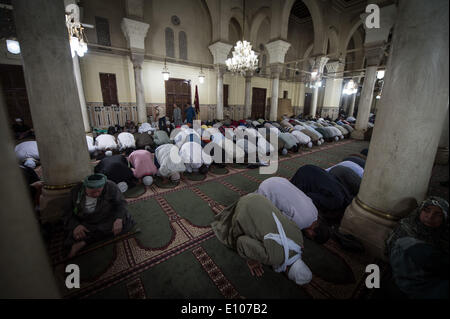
x=96, y=210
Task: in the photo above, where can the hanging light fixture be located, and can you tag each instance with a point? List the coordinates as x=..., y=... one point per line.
x=380, y=74
x=77, y=37
x=244, y=60
x=13, y=46
x=201, y=76
x=165, y=72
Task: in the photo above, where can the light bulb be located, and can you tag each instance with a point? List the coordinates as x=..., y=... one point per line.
x=380, y=74
x=13, y=46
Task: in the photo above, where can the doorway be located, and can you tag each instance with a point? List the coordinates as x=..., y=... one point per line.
x=178, y=91
x=307, y=107
x=259, y=103
x=15, y=91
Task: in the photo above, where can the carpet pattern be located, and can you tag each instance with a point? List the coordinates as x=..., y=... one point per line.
x=176, y=254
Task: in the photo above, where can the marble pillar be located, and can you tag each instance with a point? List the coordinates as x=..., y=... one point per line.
x=54, y=100
x=351, y=107
x=301, y=99
x=275, y=74
x=409, y=124
x=79, y=82
x=248, y=93
x=138, y=60
x=442, y=151
x=219, y=51
x=277, y=51
x=219, y=111
x=135, y=33
x=315, y=98
x=24, y=265
x=365, y=103
x=333, y=88
x=318, y=64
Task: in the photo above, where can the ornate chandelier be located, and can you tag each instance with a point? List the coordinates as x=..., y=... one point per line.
x=244, y=59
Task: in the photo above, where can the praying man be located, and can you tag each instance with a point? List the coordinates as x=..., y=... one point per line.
x=96, y=210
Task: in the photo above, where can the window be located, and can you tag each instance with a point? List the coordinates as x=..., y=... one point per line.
x=182, y=40
x=102, y=27
x=109, y=89
x=170, y=49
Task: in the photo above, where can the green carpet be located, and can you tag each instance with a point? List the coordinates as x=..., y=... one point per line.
x=135, y=191
x=195, y=176
x=176, y=254
x=169, y=184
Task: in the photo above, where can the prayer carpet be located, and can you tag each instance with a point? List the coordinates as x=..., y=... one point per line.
x=176, y=254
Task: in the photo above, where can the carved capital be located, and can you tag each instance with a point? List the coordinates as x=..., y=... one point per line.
x=277, y=51
x=135, y=33
x=220, y=51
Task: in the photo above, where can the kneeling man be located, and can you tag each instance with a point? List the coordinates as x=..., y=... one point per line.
x=96, y=210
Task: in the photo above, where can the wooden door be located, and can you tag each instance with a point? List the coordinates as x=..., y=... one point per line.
x=225, y=95
x=307, y=107
x=178, y=91
x=14, y=89
x=109, y=89
x=259, y=103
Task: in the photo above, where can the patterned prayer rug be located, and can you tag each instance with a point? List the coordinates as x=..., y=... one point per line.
x=176, y=254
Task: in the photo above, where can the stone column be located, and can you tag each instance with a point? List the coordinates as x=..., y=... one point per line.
x=79, y=82
x=219, y=51
x=333, y=87
x=402, y=150
x=220, y=72
x=351, y=109
x=301, y=98
x=442, y=151
x=54, y=101
x=138, y=60
x=24, y=266
x=135, y=33
x=374, y=44
x=277, y=51
x=365, y=102
x=248, y=93
x=317, y=63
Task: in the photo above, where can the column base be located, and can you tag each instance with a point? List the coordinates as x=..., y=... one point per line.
x=359, y=134
x=52, y=204
x=370, y=229
x=441, y=156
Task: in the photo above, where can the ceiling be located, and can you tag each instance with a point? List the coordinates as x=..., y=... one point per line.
x=300, y=10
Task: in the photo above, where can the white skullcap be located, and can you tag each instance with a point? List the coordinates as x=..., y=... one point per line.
x=175, y=177
x=123, y=187
x=18, y=119
x=336, y=138
x=300, y=273
x=147, y=180
x=319, y=142
x=30, y=163
x=310, y=144
x=108, y=153
x=284, y=151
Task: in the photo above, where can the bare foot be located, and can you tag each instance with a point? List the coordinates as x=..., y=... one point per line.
x=76, y=248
